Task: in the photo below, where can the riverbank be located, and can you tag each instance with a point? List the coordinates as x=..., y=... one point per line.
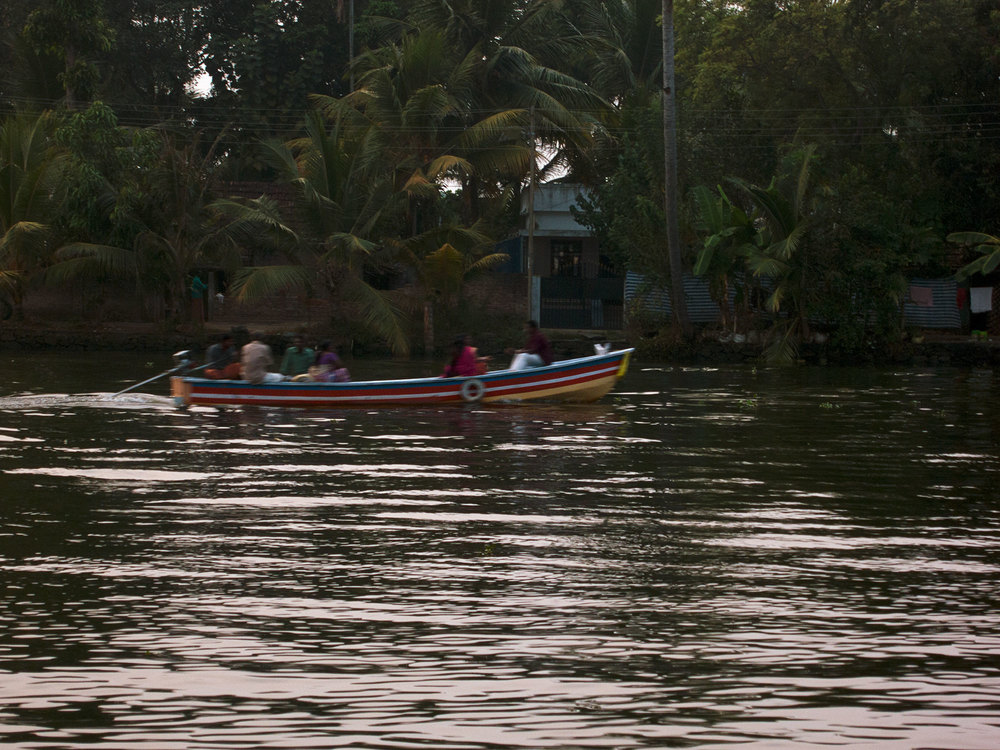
x=933, y=348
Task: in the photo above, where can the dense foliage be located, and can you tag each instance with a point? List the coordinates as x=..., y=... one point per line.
x=829, y=147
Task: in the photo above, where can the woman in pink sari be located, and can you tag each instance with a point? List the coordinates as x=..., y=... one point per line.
x=463, y=360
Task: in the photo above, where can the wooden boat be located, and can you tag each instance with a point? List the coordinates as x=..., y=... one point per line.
x=573, y=380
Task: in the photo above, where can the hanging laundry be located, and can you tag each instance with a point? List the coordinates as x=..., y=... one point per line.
x=922, y=296
x=981, y=299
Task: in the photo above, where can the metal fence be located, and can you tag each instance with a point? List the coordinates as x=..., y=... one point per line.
x=582, y=303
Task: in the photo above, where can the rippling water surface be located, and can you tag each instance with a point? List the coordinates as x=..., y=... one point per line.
x=706, y=558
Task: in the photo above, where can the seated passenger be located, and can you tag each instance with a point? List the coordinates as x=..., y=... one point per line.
x=255, y=358
x=482, y=363
x=463, y=360
x=220, y=359
x=328, y=367
x=537, y=352
x=297, y=360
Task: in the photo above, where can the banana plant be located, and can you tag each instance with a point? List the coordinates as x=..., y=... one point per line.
x=727, y=233
x=783, y=218
x=986, y=244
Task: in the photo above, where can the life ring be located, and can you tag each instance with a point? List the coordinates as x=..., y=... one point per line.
x=472, y=390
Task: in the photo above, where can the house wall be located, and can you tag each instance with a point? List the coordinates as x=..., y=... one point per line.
x=583, y=301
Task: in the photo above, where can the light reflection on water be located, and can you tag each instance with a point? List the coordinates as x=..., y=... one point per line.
x=708, y=557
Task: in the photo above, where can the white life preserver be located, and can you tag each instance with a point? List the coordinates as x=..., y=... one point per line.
x=472, y=390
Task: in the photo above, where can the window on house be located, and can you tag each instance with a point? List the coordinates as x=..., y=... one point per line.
x=567, y=258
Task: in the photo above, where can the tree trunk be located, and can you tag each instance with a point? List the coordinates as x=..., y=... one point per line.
x=428, y=327
x=677, y=302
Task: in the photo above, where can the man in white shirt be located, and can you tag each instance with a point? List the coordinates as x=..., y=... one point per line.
x=255, y=358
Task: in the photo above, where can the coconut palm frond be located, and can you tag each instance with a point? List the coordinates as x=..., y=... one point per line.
x=259, y=282
x=448, y=163
x=425, y=105
x=763, y=266
x=444, y=267
x=785, y=248
x=248, y=219
x=82, y=258
x=23, y=234
x=782, y=350
x=466, y=239
x=774, y=300
x=380, y=201
x=9, y=279
x=344, y=246
x=486, y=263
x=378, y=314
x=228, y=254
x=491, y=128
x=278, y=155
x=513, y=159
x=777, y=212
x=418, y=186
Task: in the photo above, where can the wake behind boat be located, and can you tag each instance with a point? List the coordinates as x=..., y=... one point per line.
x=580, y=380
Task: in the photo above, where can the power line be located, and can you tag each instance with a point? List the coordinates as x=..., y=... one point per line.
x=837, y=126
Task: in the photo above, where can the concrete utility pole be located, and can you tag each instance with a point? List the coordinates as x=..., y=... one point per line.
x=677, y=301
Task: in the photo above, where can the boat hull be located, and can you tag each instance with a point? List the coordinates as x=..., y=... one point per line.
x=576, y=380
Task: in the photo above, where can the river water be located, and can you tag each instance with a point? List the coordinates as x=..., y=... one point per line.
x=773, y=558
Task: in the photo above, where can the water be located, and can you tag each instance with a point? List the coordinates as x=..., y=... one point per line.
x=706, y=558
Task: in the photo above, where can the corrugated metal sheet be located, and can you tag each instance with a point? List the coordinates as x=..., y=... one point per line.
x=701, y=307
x=943, y=314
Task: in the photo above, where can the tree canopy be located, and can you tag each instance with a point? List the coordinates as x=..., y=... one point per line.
x=446, y=103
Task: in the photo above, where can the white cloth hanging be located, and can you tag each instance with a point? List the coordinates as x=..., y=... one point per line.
x=980, y=299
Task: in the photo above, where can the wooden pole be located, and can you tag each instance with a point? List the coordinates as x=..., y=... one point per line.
x=350, y=41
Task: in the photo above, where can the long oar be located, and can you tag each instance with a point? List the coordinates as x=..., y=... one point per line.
x=182, y=363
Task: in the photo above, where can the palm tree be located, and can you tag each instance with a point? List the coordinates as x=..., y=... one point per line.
x=419, y=101
x=178, y=227
x=443, y=259
x=29, y=170
x=516, y=53
x=346, y=204
x=621, y=47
